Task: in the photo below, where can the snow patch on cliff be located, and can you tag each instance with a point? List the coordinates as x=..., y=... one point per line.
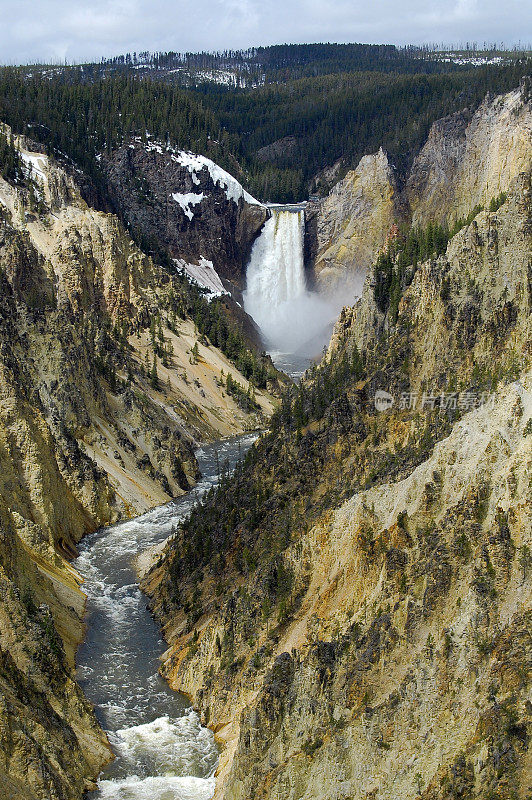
x=204, y=275
x=195, y=164
x=188, y=200
x=233, y=189
x=37, y=162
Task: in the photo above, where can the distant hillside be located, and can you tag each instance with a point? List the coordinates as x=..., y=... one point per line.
x=260, y=65
x=331, y=103
x=257, y=66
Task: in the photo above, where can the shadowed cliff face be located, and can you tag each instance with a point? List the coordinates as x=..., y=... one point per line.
x=90, y=431
x=190, y=211
x=362, y=629
x=468, y=159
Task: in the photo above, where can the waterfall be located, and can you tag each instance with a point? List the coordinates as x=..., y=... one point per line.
x=288, y=314
x=275, y=274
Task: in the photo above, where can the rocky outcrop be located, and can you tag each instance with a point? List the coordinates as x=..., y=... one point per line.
x=362, y=630
x=468, y=159
x=186, y=205
x=51, y=745
x=279, y=152
x=326, y=178
x=470, y=307
x=353, y=222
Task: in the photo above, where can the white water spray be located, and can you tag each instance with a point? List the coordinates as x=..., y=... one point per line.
x=290, y=317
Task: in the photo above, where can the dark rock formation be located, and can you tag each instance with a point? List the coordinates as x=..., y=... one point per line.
x=220, y=223
x=278, y=152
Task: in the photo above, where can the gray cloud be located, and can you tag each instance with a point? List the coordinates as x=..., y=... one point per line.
x=33, y=30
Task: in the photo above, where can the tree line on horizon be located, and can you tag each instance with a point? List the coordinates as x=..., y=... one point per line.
x=327, y=117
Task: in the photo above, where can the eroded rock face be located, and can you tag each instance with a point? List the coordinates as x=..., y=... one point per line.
x=211, y=217
x=423, y=691
x=51, y=745
x=352, y=223
x=468, y=159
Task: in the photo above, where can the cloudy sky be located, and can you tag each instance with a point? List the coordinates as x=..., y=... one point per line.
x=32, y=30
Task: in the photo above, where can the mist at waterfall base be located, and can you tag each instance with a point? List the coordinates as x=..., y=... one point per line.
x=291, y=318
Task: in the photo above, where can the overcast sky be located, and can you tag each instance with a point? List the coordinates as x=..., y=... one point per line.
x=32, y=30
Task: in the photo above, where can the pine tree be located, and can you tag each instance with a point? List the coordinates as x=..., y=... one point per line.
x=154, y=377
x=195, y=354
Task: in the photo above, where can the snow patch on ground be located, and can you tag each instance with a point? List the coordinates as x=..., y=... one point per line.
x=220, y=76
x=204, y=275
x=152, y=147
x=475, y=61
x=188, y=200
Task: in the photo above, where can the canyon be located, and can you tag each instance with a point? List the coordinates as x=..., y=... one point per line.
x=349, y=612
x=355, y=631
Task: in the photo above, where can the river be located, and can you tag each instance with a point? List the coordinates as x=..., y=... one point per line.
x=162, y=751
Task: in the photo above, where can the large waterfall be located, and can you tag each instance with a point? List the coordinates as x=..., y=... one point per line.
x=290, y=317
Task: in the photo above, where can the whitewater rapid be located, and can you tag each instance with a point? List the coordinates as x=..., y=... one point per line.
x=162, y=751
x=291, y=318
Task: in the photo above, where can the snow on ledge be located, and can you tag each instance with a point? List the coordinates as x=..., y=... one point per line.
x=204, y=275
x=233, y=189
x=188, y=200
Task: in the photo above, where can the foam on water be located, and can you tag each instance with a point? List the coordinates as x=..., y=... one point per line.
x=162, y=751
x=172, y=748
x=157, y=788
